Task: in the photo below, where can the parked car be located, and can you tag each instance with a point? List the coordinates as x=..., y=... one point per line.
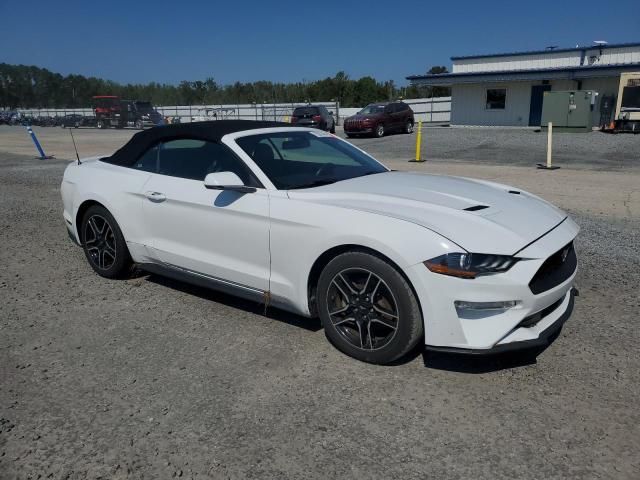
x=378, y=119
x=314, y=116
x=305, y=221
x=73, y=120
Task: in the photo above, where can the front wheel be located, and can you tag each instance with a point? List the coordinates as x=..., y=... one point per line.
x=379, y=131
x=333, y=128
x=139, y=125
x=368, y=309
x=103, y=243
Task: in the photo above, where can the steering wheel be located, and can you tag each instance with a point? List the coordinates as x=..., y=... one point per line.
x=324, y=168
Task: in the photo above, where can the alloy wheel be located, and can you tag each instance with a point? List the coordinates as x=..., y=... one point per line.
x=100, y=242
x=362, y=308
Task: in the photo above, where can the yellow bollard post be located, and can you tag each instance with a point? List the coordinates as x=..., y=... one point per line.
x=418, y=144
x=548, y=165
x=286, y=119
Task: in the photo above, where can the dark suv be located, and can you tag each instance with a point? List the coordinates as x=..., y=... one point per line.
x=380, y=118
x=314, y=116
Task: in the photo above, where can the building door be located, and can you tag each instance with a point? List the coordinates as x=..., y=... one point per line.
x=535, y=110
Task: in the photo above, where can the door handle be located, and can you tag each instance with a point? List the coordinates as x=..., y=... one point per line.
x=156, y=197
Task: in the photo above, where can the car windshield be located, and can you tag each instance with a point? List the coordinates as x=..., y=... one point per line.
x=294, y=160
x=372, y=109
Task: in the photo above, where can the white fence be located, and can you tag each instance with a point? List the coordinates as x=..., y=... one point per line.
x=429, y=110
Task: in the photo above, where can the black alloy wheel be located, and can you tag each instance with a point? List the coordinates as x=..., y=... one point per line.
x=100, y=242
x=362, y=308
x=367, y=308
x=104, y=246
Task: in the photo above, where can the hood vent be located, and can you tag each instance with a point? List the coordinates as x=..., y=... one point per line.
x=475, y=208
x=515, y=192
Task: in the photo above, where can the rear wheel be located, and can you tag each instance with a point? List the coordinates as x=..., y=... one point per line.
x=333, y=128
x=139, y=124
x=368, y=309
x=408, y=127
x=103, y=243
x=379, y=131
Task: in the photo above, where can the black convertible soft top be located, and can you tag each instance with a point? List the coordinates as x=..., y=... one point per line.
x=211, y=131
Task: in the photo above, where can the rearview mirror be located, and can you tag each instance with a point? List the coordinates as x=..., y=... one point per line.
x=226, y=181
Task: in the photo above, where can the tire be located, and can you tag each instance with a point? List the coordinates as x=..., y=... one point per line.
x=103, y=243
x=101, y=124
x=408, y=127
x=139, y=125
x=333, y=128
x=379, y=131
x=363, y=326
x=349, y=135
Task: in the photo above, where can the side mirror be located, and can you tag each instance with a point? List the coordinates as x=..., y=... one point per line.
x=331, y=112
x=226, y=181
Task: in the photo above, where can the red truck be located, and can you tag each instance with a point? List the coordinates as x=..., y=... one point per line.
x=112, y=111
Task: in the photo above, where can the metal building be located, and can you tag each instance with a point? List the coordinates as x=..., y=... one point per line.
x=508, y=88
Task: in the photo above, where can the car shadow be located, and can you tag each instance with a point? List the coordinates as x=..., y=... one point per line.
x=475, y=364
x=310, y=324
x=485, y=363
x=452, y=362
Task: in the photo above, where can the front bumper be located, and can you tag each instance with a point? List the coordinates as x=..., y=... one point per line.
x=358, y=130
x=539, y=335
x=530, y=323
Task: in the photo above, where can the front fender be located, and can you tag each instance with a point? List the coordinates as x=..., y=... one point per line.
x=302, y=231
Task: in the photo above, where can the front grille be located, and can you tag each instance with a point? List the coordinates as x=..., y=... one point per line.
x=555, y=270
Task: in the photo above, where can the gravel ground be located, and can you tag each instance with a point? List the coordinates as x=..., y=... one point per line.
x=525, y=147
x=150, y=378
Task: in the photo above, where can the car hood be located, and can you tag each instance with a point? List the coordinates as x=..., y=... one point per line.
x=502, y=219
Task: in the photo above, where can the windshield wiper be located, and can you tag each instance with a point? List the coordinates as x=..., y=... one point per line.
x=315, y=183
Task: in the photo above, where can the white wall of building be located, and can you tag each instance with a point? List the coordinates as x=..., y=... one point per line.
x=516, y=62
x=468, y=104
x=609, y=56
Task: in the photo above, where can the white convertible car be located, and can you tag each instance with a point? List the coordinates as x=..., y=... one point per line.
x=303, y=220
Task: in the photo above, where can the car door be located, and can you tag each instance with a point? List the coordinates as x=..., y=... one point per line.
x=218, y=234
x=398, y=116
x=390, y=117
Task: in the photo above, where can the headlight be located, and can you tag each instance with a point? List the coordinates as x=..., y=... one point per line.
x=470, y=265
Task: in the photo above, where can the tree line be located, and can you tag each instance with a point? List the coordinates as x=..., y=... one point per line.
x=23, y=86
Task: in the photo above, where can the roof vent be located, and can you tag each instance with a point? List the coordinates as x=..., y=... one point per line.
x=475, y=208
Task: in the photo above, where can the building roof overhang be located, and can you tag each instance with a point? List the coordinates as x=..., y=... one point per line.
x=579, y=48
x=563, y=73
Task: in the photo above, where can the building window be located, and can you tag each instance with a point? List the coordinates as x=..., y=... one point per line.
x=496, y=98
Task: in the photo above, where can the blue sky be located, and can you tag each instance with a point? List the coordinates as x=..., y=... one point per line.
x=246, y=40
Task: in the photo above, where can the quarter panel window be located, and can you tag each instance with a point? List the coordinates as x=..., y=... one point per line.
x=148, y=162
